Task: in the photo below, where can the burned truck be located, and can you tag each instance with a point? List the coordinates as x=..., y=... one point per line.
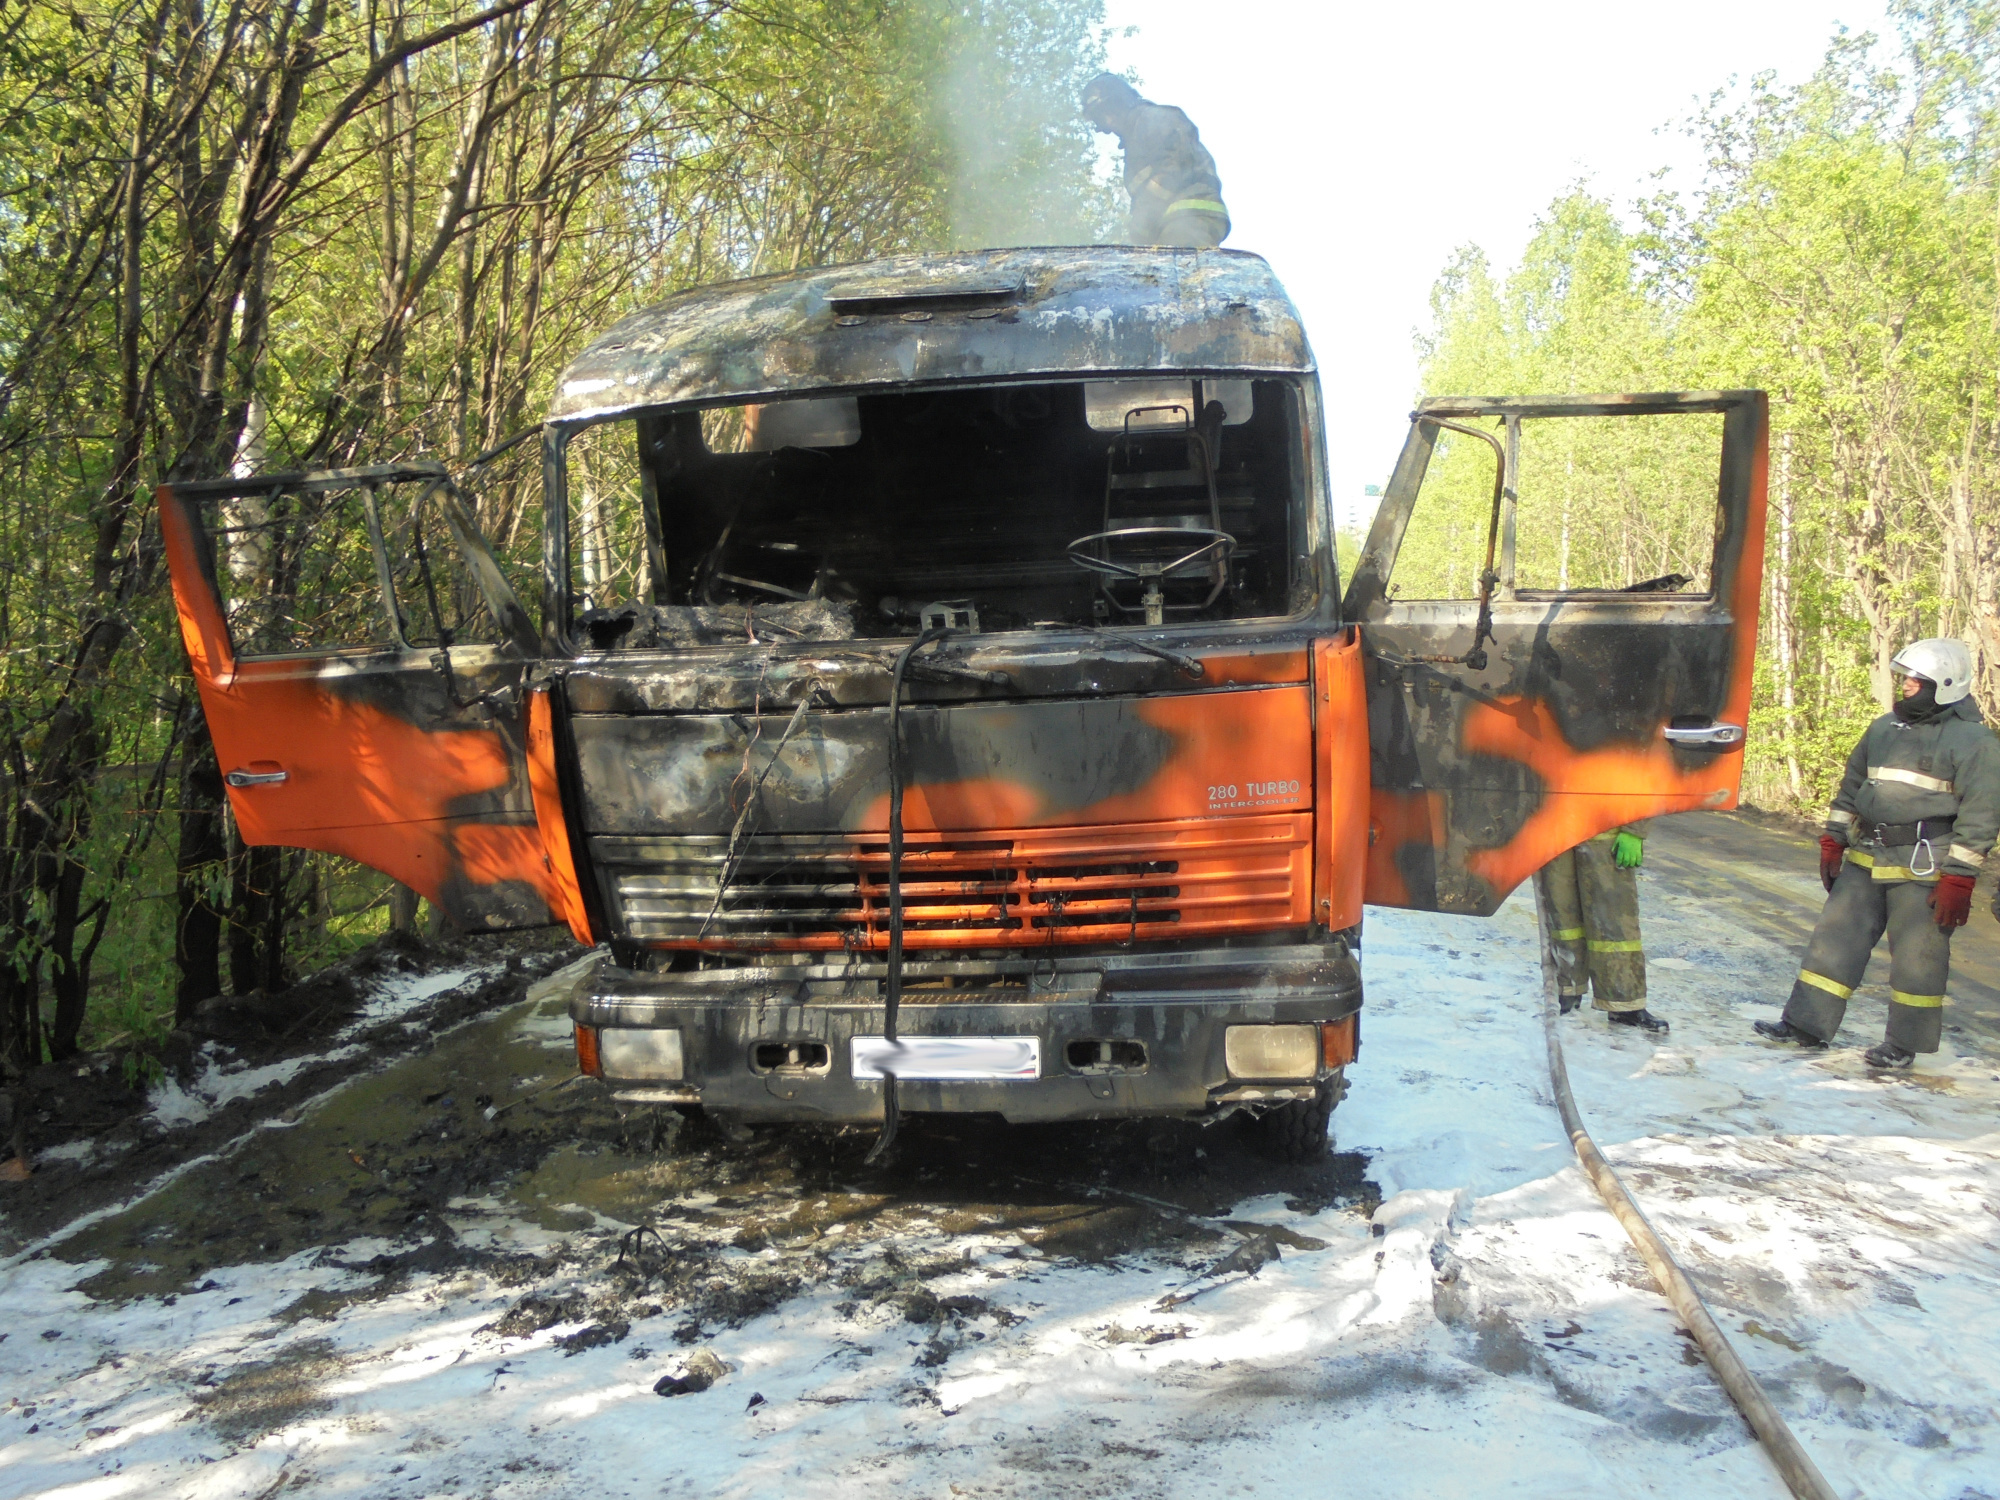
x=934, y=690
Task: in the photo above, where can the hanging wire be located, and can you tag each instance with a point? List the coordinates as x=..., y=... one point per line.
x=893, y=988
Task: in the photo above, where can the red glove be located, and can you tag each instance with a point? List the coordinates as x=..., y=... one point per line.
x=1831, y=853
x=1951, y=899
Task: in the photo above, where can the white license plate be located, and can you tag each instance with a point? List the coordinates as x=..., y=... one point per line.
x=949, y=1059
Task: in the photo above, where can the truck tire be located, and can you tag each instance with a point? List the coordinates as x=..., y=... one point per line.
x=1297, y=1132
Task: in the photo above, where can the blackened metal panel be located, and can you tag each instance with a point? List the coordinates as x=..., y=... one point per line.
x=897, y=322
x=1564, y=724
x=1480, y=775
x=970, y=766
x=856, y=674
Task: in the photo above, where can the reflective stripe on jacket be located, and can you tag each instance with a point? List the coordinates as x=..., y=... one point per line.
x=1948, y=767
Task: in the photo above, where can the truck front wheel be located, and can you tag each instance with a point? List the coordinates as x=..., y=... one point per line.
x=1297, y=1131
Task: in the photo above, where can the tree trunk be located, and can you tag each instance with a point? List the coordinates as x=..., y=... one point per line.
x=1783, y=629
x=69, y=971
x=403, y=908
x=256, y=915
x=199, y=864
x=21, y=980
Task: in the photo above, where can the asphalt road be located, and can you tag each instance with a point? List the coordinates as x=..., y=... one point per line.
x=461, y=1272
x=1762, y=875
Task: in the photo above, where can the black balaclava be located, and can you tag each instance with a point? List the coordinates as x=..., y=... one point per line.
x=1922, y=705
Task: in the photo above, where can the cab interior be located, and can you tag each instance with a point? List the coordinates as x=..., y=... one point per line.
x=999, y=508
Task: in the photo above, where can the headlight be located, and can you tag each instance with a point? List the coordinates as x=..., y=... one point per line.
x=1268, y=1051
x=636, y=1052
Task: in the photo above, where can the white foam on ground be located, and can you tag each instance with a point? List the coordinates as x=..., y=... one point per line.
x=218, y=1081
x=81, y=1150
x=1491, y=1331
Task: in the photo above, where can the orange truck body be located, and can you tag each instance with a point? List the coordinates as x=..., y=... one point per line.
x=1134, y=853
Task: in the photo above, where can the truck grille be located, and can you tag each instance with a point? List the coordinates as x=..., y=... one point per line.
x=1003, y=889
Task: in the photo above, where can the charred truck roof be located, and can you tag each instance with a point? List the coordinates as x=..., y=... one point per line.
x=990, y=315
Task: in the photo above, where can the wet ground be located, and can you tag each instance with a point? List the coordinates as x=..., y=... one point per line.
x=441, y=1264
x=98, y=1132
x=489, y=1126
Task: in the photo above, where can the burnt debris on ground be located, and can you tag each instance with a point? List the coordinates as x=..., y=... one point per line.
x=450, y=1154
x=649, y=1228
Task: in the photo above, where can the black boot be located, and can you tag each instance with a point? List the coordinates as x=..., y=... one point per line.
x=1785, y=1031
x=1888, y=1055
x=1567, y=1003
x=1645, y=1020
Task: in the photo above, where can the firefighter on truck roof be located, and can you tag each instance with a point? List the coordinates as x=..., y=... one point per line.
x=1176, y=195
x=1589, y=898
x=1914, y=817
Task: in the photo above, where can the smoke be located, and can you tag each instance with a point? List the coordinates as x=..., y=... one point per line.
x=1024, y=162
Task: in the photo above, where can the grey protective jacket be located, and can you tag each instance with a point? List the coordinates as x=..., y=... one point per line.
x=1167, y=169
x=1900, y=773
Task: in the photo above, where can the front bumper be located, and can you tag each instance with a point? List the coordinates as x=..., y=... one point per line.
x=1175, y=1005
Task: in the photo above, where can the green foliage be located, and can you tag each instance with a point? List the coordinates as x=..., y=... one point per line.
x=1004, y=82
x=1842, y=255
x=141, y=1070
x=283, y=235
x=1603, y=502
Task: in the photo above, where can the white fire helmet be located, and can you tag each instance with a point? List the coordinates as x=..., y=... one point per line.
x=1941, y=660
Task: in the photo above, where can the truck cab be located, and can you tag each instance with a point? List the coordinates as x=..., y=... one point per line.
x=936, y=694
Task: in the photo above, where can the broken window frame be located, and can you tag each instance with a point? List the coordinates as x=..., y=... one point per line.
x=1374, y=572
x=511, y=621
x=1312, y=567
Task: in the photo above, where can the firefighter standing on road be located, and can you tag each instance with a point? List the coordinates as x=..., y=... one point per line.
x=1914, y=817
x=1176, y=196
x=1589, y=898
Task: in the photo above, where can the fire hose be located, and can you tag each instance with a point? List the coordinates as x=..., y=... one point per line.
x=1794, y=1463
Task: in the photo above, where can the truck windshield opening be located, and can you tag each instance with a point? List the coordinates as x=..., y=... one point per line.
x=1118, y=502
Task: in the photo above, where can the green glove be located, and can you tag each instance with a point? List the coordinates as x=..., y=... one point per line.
x=1627, y=851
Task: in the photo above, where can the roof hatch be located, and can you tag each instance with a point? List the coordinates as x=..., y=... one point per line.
x=862, y=299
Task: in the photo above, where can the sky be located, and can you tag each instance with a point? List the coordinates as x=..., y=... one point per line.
x=1360, y=144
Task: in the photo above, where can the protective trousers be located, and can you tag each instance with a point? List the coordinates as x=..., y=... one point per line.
x=1591, y=909
x=1860, y=909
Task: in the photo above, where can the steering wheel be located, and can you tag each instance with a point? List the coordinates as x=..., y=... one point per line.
x=1211, y=547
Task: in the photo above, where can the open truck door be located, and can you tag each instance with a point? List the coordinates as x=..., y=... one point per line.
x=1558, y=611
x=364, y=668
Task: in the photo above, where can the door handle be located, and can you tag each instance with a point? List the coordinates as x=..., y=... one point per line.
x=1705, y=736
x=257, y=778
